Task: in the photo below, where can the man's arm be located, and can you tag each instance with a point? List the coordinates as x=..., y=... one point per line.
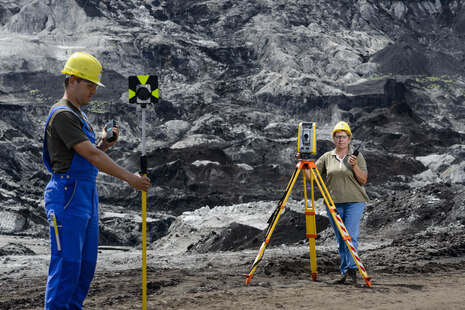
x=105, y=164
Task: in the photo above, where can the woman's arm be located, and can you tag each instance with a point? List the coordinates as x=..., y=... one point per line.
x=360, y=176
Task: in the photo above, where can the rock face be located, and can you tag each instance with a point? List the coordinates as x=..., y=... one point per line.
x=236, y=78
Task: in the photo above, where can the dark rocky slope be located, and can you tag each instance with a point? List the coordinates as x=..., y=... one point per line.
x=236, y=78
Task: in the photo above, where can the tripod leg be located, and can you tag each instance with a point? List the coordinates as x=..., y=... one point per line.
x=272, y=224
x=311, y=227
x=339, y=223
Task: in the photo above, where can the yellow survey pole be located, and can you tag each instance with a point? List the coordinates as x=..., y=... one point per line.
x=144, y=250
x=143, y=168
x=143, y=90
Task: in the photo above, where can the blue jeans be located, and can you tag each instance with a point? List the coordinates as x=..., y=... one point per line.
x=351, y=214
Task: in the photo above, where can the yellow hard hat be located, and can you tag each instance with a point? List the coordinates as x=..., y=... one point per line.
x=342, y=126
x=85, y=66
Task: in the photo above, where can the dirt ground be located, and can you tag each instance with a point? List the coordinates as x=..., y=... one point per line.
x=215, y=280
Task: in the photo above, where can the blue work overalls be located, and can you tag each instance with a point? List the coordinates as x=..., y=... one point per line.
x=72, y=199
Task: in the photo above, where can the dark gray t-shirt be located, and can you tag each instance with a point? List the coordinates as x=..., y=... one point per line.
x=64, y=131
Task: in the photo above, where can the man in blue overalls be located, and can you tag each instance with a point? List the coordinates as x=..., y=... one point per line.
x=71, y=199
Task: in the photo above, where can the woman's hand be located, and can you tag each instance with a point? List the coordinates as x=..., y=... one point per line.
x=352, y=160
x=359, y=174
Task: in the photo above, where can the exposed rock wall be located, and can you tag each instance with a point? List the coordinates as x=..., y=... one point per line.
x=236, y=78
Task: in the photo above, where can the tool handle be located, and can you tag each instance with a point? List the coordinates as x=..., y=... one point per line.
x=143, y=165
x=55, y=226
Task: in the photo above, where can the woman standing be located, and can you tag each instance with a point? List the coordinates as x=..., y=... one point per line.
x=346, y=175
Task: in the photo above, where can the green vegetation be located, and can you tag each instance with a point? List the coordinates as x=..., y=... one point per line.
x=99, y=107
x=37, y=94
x=434, y=82
x=424, y=82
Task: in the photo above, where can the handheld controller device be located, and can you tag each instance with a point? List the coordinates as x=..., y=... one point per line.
x=355, y=153
x=110, y=135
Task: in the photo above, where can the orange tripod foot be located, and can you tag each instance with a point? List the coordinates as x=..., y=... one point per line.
x=368, y=281
x=314, y=276
x=249, y=277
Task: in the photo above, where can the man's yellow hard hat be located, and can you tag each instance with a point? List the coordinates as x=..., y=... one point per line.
x=85, y=66
x=342, y=126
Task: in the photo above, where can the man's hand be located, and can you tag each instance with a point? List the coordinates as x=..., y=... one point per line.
x=139, y=182
x=104, y=144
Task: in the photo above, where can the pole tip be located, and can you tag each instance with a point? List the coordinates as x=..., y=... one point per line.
x=249, y=277
x=314, y=276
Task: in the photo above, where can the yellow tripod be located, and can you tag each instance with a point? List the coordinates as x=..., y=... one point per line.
x=310, y=220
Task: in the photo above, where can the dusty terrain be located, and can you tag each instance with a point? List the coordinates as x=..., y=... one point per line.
x=215, y=281
x=411, y=244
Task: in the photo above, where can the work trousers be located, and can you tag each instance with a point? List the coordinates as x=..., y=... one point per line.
x=351, y=214
x=74, y=253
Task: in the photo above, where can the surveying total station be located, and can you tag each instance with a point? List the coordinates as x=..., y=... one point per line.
x=143, y=90
x=306, y=146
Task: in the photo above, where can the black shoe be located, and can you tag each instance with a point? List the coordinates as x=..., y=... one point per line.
x=341, y=280
x=353, y=275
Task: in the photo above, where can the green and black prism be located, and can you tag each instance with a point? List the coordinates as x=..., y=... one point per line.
x=143, y=89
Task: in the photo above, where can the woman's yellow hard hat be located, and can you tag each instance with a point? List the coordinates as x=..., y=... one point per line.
x=342, y=126
x=85, y=66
